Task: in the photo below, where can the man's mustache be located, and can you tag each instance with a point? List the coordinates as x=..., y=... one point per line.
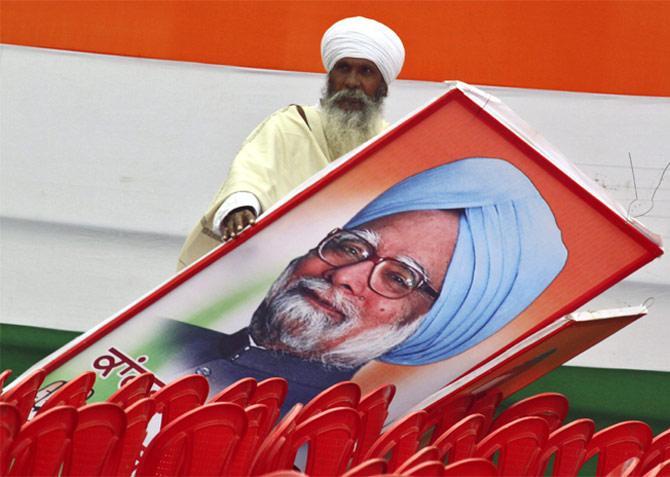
x=326, y=292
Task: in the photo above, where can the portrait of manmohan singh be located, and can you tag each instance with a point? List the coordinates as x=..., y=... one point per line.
x=430, y=268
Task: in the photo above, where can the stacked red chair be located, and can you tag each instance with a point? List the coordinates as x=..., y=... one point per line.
x=567, y=445
x=459, y=441
x=73, y=393
x=100, y=429
x=200, y=442
x=618, y=443
x=239, y=392
x=180, y=396
x=401, y=440
x=373, y=408
x=658, y=451
x=22, y=395
x=518, y=443
x=42, y=443
x=552, y=407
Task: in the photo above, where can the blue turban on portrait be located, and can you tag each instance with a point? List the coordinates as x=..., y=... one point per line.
x=508, y=250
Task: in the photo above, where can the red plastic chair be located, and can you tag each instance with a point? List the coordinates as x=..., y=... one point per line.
x=617, y=443
x=330, y=437
x=472, y=467
x=73, y=393
x=401, y=439
x=343, y=394
x=258, y=426
x=237, y=393
x=660, y=470
x=133, y=391
x=658, y=451
x=271, y=392
x=10, y=423
x=201, y=442
x=42, y=443
x=519, y=444
x=427, y=454
x=373, y=409
x=553, y=407
x=486, y=405
x=459, y=441
x=445, y=413
x=3, y=377
x=100, y=428
x=22, y=395
x=367, y=468
x=180, y=396
x=126, y=453
x=568, y=446
x=627, y=468
x=274, y=452
x=426, y=469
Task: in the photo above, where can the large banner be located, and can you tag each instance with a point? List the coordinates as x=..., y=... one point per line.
x=416, y=258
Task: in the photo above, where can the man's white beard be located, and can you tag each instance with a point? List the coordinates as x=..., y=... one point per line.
x=346, y=130
x=290, y=321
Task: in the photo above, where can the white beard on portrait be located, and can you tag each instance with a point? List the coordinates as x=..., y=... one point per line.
x=346, y=130
x=286, y=321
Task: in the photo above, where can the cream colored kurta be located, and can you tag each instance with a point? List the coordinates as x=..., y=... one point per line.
x=280, y=154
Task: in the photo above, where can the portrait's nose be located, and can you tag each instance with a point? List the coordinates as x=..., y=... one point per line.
x=352, y=278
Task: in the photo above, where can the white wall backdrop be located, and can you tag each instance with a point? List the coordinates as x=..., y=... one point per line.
x=106, y=162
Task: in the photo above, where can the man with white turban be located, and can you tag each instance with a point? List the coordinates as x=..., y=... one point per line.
x=362, y=57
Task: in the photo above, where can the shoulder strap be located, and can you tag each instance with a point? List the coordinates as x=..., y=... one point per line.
x=302, y=115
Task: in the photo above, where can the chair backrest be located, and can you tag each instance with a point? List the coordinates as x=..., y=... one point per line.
x=100, y=428
x=486, y=405
x=258, y=426
x=427, y=454
x=271, y=392
x=125, y=455
x=618, y=443
x=553, y=407
x=367, y=468
x=342, y=394
x=518, y=443
x=200, y=442
x=73, y=393
x=22, y=394
x=330, y=436
x=132, y=391
x=660, y=470
x=459, y=441
x=180, y=396
x=373, y=408
x=658, y=451
x=431, y=468
x=42, y=443
x=10, y=423
x=237, y=393
x=472, y=467
x=3, y=377
x=445, y=413
x=568, y=446
x=401, y=440
x=275, y=451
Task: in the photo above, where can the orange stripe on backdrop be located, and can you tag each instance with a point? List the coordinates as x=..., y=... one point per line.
x=609, y=47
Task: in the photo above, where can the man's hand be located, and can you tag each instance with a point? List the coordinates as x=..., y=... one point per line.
x=236, y=221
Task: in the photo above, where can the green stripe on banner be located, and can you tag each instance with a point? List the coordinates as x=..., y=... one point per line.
x=605, y=395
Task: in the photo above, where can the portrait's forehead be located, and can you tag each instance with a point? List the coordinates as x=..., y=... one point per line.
x=423, y=239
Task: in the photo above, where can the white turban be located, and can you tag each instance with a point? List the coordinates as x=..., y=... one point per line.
x=363, y=38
